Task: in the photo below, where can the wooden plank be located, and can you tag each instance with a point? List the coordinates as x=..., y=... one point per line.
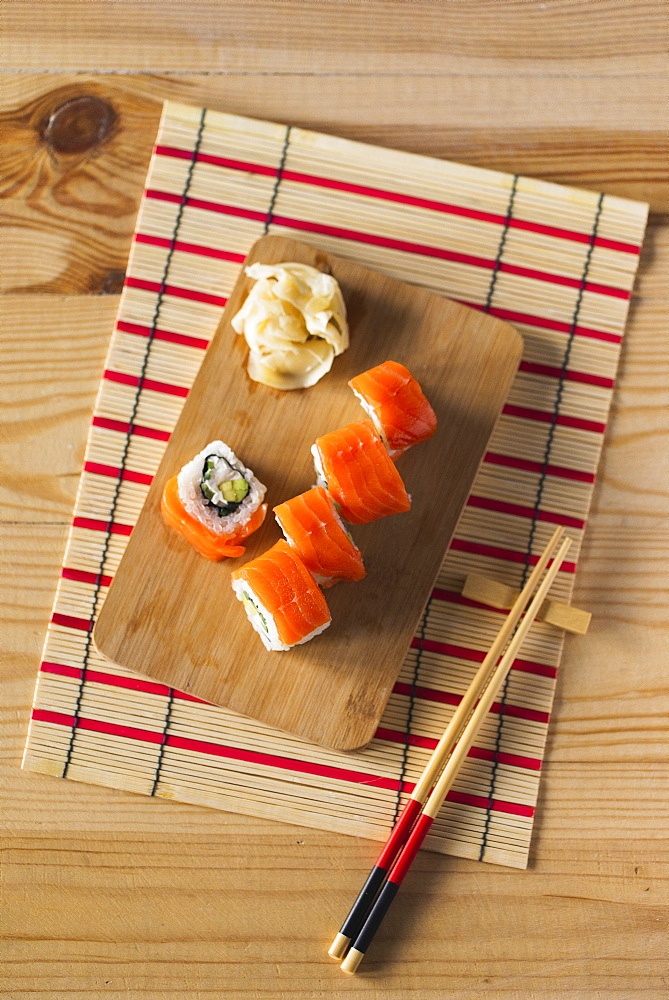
x=334, y=689
x=491, y=36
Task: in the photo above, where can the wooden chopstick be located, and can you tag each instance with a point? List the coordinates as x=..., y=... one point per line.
x=401, y=866
x=405, y=822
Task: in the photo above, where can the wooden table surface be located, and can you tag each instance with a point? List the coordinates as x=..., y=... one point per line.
x=106, y=894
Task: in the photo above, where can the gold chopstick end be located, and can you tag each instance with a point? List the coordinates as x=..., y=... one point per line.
x=339, y=946
x=352, y=961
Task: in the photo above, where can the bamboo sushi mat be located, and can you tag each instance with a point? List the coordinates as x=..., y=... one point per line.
x=557, y=262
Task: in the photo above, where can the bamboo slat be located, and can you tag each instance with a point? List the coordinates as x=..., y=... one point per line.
x=556, y=262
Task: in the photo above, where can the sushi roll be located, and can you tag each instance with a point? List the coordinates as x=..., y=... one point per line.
x=352, y=464
x=315, y=530
x=281, y=598
x=215, y=502
x=396, y=405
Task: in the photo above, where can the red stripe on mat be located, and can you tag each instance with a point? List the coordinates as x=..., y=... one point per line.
x=268, y=760
x=146, y=383
x=508, y=555
x=219, y=161
x=195, y=248
x=95, y=726
x=478, y=753
x=519, y=510
x=209, y=206
x=563, y=279
x=496, y=805
x=126, y=474
x=123, y=427
x=59, y=668
x=532, y=368
x=550, y=470
x=83, y=576
x=559, y=326
x=284, y=763
x=175, y=290
x=166, y=335
x=132, y=683
x=111, y=680
x=476, y=656
x=69, y=621
x=576, y=237
x=93, y=524
x=447, y=698
x=547, y=417
x=403, y=199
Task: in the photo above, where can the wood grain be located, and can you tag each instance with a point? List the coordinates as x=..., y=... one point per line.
x=333, y=690
x=242, y=907
x=364, y=36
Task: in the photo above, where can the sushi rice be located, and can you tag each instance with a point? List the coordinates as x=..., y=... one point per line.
x=231, y=470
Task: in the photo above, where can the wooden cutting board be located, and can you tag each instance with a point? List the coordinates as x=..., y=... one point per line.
x=172, y=615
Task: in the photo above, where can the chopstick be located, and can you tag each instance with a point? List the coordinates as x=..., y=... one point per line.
x=405, y=822
x=434, y=802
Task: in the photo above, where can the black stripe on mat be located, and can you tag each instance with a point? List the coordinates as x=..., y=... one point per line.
x=537, y=503
x=163, y=742
x=500, y=247
x=117, y=486
x=277, y=182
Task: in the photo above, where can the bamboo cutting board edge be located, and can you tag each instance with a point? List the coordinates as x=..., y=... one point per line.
x=284, y=689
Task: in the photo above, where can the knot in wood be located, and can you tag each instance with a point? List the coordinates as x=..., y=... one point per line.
x=78, y=125
x=113, y=283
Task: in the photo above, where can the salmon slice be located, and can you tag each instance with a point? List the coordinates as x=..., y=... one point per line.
x=207, y=543
x=359, y=474
x=283, y=601
x=313, y=527
x=396, y=404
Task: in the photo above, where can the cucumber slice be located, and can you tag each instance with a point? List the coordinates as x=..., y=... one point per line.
x=234, y=490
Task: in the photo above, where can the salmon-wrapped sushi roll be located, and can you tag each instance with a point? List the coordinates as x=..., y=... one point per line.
x=282, y=600
x=352, y=464
x=396, y=404
x=215, y=502
x=315, y=530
